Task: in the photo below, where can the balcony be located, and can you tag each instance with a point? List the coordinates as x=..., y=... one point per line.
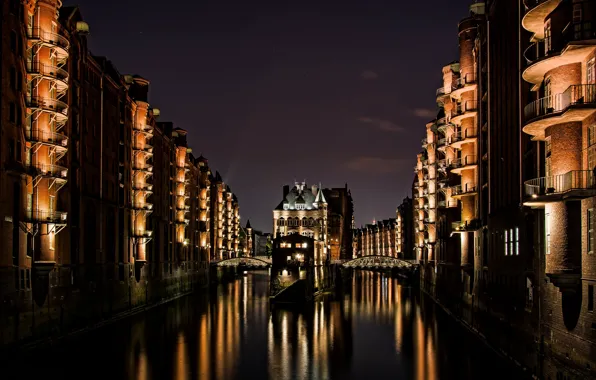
x=48, y=71
x=50, y=171
x=441, y=124
x=471, y=225
x=45, y=216
x=59, y=43
x=464, y=84
x=536, y=13
x=55, y=139
x=575, y=104
x=464, y=110
x=459, y=191
x=441, y=93
x=424, y=143
x=575, y=44
x=468, y=162
x=463, y=137
x=55, y=106
x=575, y=184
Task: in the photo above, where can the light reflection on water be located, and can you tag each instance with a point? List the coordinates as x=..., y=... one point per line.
x=377, y=329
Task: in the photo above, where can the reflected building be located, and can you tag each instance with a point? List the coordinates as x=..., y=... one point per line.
x=310, y=344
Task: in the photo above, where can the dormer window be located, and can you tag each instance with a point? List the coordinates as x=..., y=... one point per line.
x=286, y=206
x=300, y=206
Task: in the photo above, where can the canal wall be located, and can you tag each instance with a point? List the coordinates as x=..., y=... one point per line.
x=83, y=300
x=514, y=335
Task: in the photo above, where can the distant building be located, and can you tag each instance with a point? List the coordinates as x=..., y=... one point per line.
x=303, y=210
x=378, y=238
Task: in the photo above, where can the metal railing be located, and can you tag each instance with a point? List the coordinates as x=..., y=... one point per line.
x=54, y=138
x=459, y=190
x=469, y=78
x=548, y=47
x=142, y=206
x=46, y=216
x=36, y=67
x=48, y=37
x=440, y=91
x=465, y=161
x=469, y=105
x=49, y=104
x=556, y=184
x=50, y=170
x=575, y=95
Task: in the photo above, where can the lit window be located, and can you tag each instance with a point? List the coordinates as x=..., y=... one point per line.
x=506, y=243
x=304, y=245
x=591, y=230
x=516, y=241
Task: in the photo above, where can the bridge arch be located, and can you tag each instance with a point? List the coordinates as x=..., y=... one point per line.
x=377, y=261
x=246, y=261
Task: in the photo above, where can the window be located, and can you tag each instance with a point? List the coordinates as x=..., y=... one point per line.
x=590, y=72
x=547, y=37
x=516, y=241
x=590, y=297
x=547, y=233
x=506, y=243
x=590, y=225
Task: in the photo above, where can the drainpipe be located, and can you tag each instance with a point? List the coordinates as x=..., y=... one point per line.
x=101, y=205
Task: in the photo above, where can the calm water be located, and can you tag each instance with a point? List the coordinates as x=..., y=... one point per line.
x=379, y=329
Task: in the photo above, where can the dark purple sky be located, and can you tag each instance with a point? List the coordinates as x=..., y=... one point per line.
x=272, y=91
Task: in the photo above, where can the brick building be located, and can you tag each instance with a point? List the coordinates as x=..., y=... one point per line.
x=505, y=186
x=379, y=238
x=103, y=208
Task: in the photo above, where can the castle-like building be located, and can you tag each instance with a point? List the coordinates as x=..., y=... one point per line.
x=326, y=215
x=303, y=210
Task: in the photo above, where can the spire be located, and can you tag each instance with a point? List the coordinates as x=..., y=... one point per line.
x=320, y=196
x=248, y=224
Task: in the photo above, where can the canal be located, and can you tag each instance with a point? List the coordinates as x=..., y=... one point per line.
x=378, y=329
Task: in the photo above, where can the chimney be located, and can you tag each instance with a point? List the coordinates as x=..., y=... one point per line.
x=286, y=190
x=315, y=190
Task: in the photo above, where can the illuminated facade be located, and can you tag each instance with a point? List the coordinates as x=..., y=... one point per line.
x=303, y=210
x=379, y=238
x=225, y=220
x=101, y=203
x=561, y=117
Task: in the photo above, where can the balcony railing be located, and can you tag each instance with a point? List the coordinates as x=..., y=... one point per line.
x=468, y=79
x=470, y=105
x=557, y=184
x=467, y=160
x=459, y=190
x=142, y=206
x=46, y=216
x=553, y=46
x=575, y=95
x=440, y=91
x=50, y=170
x=48, y=37
x=47, y=104
x=36, y=67
x=54, y=138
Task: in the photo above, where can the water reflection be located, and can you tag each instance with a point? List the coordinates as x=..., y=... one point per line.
x=377, y=329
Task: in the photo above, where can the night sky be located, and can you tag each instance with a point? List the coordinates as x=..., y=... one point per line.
x=273, y=92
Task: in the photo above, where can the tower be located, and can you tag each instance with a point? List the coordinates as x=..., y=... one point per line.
x=249, y=240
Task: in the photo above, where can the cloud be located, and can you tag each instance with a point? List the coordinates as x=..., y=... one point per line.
x=369, y=74
x=383, y=125
x=375, y=165
x=425, y=112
